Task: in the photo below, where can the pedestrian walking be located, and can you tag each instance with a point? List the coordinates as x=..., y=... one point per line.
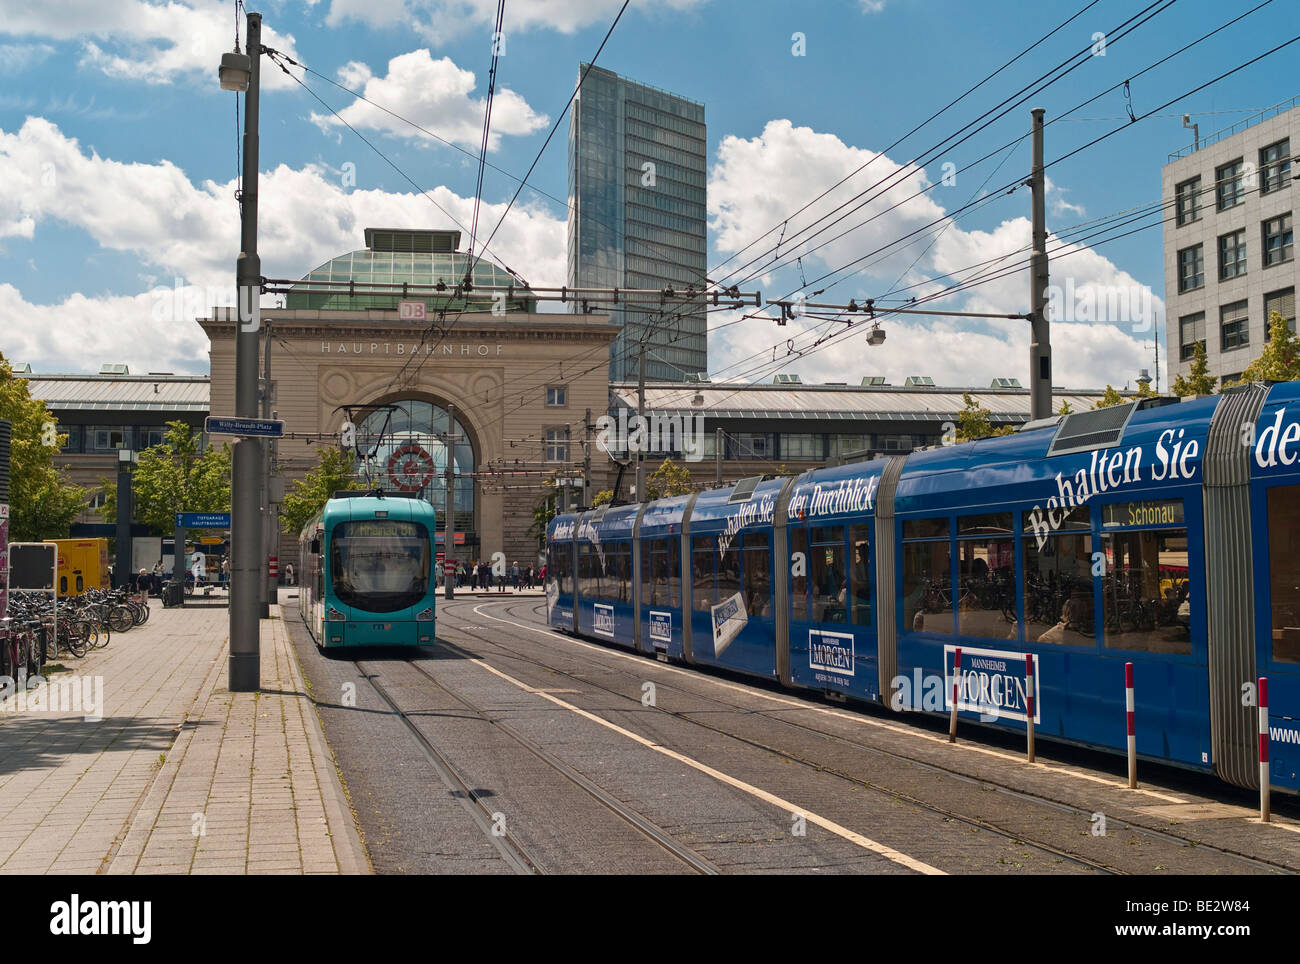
x=514, y=574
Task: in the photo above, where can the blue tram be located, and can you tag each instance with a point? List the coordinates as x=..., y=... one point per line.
x=1157, y=532
x=366, y=562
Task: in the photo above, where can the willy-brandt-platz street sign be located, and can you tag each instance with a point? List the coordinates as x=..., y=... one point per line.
x=245, y=427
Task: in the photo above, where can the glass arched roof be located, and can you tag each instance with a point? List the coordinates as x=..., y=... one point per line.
x=396, y=267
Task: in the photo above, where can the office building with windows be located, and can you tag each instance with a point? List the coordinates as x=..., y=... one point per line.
x=1228, y=236
x=637, y=216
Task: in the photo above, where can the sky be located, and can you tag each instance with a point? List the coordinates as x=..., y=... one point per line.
x=118, y=161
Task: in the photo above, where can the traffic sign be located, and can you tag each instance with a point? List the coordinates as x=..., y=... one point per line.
x=248, y=427
x=202, y=520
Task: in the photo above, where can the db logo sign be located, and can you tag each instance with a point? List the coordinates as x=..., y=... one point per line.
x=411, y=311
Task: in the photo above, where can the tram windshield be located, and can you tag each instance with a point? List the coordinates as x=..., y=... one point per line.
x=379, y=565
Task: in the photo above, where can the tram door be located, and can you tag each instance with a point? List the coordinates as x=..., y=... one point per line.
x=559, y=585
x=739, y=602
x=832, y=627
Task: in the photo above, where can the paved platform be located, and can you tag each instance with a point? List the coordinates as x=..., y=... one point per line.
x=179, y=775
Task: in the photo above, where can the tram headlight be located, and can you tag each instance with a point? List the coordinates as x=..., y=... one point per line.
x=334, y=615
x=425, y=615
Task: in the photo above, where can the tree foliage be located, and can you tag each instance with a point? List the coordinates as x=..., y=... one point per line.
x=174, y=477
x=1198, y=380
x=42, y=502
x=333, y=472
x=668, y=480
x=1065, y=409
x=974, y=421
x=1110, y=397
x=1280, y=359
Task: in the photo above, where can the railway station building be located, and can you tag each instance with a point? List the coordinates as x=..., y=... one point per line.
x=518, y=398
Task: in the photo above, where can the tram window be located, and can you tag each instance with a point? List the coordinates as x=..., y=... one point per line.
x=1057, y=583
x=925, y=529
x=798, y=573
x=1147, y=591
x=860, y=574
x=588, y=583
x=986, y=583
x=674, y=549
x=729, y=571
x=927, y=586
x=1284, y=570
x=757, y=569
x=624, y=572
x=702, y=597
x=648, y=580
x=830, y=588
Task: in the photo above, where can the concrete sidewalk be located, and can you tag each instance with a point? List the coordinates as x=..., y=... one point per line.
x=180, y=775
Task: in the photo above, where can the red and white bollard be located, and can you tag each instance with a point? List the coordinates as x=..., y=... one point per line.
x=956, y=677
x=1132, y=730
x=1263, y=750
x=1029, y=691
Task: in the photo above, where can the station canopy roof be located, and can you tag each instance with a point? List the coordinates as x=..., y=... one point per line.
x=393, y=256
x=740, y=401
x=123, y=393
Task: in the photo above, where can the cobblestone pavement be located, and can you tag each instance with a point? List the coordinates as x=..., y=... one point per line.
x=179, y=775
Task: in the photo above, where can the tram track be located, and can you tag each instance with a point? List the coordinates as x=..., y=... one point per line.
x=511, y=851
x=903, y=796
x=649, y=830
x=892, y=793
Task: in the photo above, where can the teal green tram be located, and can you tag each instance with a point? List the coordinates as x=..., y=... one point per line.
x=367, y=565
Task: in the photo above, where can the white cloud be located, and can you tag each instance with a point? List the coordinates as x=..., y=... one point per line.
x=872, y=6
x=15, y=58
x=1103, y=317
x=189, y=231
x=758, y=182
x=98, y=330
x=437, y=95
x=139, y=40
x=440, y=20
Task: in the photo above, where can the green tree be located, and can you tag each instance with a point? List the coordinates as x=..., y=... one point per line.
x=42, y=502
x=546, y=509
x=668, y=480
x=1198, y=380
x=1065, y=409
x=174, y=477
x=974, y=421
x=1280, y=359
x=602, y=497
x=333, y=472
x=1110, y=397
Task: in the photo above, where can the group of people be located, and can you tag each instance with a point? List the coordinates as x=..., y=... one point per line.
x=478, y=574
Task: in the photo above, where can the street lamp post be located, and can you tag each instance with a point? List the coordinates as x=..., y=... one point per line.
x=239, y=72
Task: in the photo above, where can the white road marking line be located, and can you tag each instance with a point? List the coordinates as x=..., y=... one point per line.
x=1057, y=768
x=889, y=853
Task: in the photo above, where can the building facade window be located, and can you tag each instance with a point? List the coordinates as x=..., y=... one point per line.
x=1275, y=166
x=1234, y=326
x=147, y=436
x=842, y=445
x=1230, y=183
x=1191, y=268
x=750, y=445
x=73, y=444
x=1189, y=201
x=1278, y=247
x=557, y=396
x=1191, y=332
x=1227, y=380
x=557, y=445
x=1283, y=302
x=107, y=438
x=801, y=447
x=1232, y=255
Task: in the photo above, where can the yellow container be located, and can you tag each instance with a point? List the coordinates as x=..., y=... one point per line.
x=82, y=565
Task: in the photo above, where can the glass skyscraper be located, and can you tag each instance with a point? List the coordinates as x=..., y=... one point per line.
x=637, y=216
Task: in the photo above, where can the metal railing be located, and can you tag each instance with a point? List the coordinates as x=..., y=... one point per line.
x=1236, y=128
